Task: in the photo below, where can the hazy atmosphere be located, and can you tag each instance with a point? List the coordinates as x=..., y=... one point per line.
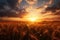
x=29, y=19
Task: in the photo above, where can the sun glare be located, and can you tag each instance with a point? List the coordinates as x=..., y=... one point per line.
x=33, y=14
x=32, y=19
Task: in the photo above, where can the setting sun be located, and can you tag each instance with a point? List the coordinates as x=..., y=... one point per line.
x=32, y=19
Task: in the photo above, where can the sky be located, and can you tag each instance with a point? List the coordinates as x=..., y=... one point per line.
x=8, y=8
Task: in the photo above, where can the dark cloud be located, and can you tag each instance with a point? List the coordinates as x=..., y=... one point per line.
x=12, y=3
x=8, y=14
x=3, y=3
x=54, y=6
x=7, y=7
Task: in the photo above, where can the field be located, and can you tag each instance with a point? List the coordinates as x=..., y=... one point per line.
x=47, y=30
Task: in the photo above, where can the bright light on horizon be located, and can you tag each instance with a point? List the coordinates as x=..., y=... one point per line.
x=32, y=15
x=32, y=19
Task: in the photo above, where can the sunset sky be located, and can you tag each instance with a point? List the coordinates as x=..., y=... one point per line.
x=16, y=8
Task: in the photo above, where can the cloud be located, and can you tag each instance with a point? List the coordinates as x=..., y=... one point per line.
x=10, y=3
x=7, y=7
x=55, y=6
x=31, y=2
x=13, y=3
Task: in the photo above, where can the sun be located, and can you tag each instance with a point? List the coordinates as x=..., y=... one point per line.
x=32, y=15
x=32, y=19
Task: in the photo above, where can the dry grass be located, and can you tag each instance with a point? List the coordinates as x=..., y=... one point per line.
x=25, y=31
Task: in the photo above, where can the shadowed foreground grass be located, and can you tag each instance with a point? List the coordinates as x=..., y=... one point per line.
x=24, y=31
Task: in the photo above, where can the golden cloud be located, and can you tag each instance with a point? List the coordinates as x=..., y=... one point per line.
x=31, y=2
